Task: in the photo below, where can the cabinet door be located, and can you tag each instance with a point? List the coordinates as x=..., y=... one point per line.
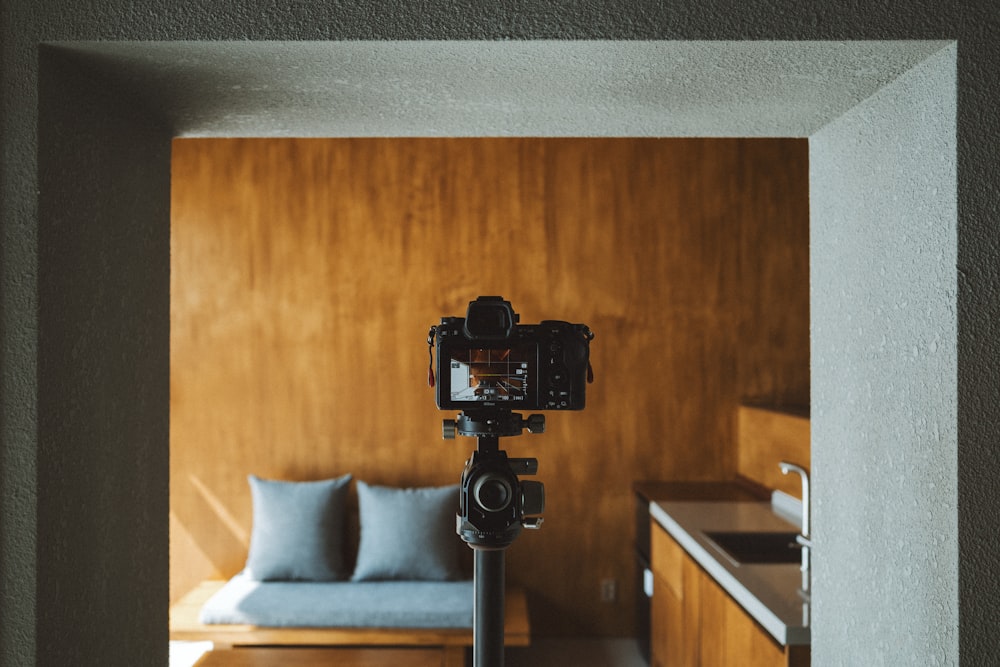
x=673, y=614
x=666, y=646
x=729, y=637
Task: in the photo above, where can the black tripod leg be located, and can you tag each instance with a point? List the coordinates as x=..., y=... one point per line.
x=488, y=609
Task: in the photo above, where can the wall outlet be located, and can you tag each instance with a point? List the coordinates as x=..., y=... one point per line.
x=609, y=590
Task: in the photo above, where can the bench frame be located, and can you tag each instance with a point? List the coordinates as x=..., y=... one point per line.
x=452, y=642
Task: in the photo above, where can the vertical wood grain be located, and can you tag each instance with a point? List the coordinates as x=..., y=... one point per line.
x=764, y=438
x=305, y=275
x=729, y=636
x=675, y=617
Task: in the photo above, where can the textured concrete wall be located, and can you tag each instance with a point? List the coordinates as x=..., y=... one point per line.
x=47, y=466
x=103, y=370
x=501, y=88
x=883, y=247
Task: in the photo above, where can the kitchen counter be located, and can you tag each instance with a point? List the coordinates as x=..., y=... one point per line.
x=768, y=592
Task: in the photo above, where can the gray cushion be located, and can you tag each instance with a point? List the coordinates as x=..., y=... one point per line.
x=407, y=533
x=376, y=604
x=298, y=530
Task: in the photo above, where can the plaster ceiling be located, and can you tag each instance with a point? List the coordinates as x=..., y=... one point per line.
x=533, y=88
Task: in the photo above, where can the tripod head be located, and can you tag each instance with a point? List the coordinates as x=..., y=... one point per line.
x=495, y=504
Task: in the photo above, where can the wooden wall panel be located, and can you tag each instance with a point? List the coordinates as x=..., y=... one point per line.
x=765, y=437
x=306, y=273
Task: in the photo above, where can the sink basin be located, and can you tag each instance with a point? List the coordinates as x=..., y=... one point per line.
x=756, y=547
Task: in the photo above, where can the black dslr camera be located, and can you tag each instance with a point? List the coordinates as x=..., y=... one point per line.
x=487, y=360
x=489, y=365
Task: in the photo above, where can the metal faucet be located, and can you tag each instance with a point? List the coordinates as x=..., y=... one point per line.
x=804, y=538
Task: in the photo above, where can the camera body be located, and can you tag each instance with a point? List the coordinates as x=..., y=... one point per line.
x=487, y=366
x=487, y=360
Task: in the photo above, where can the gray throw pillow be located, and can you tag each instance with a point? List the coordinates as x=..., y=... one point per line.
x=407, y=533
x=298, y=530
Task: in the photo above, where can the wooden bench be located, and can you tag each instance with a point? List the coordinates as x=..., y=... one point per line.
x=323, y=657
x=451, y=643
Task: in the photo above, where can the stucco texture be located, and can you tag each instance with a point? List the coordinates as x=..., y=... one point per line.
x=84, y=287
x=883, y=248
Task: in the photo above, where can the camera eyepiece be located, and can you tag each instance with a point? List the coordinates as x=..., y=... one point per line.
x=489, y=318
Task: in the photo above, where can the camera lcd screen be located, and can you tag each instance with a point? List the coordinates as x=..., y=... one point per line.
x=492, y=374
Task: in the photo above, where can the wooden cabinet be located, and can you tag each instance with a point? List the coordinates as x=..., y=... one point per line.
x=696, y=623
x=729, y=636
x=674, y=613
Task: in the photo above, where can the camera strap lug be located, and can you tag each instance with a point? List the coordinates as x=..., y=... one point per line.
x=430, y=352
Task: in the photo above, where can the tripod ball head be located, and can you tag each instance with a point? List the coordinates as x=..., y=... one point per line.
x=495, y=505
